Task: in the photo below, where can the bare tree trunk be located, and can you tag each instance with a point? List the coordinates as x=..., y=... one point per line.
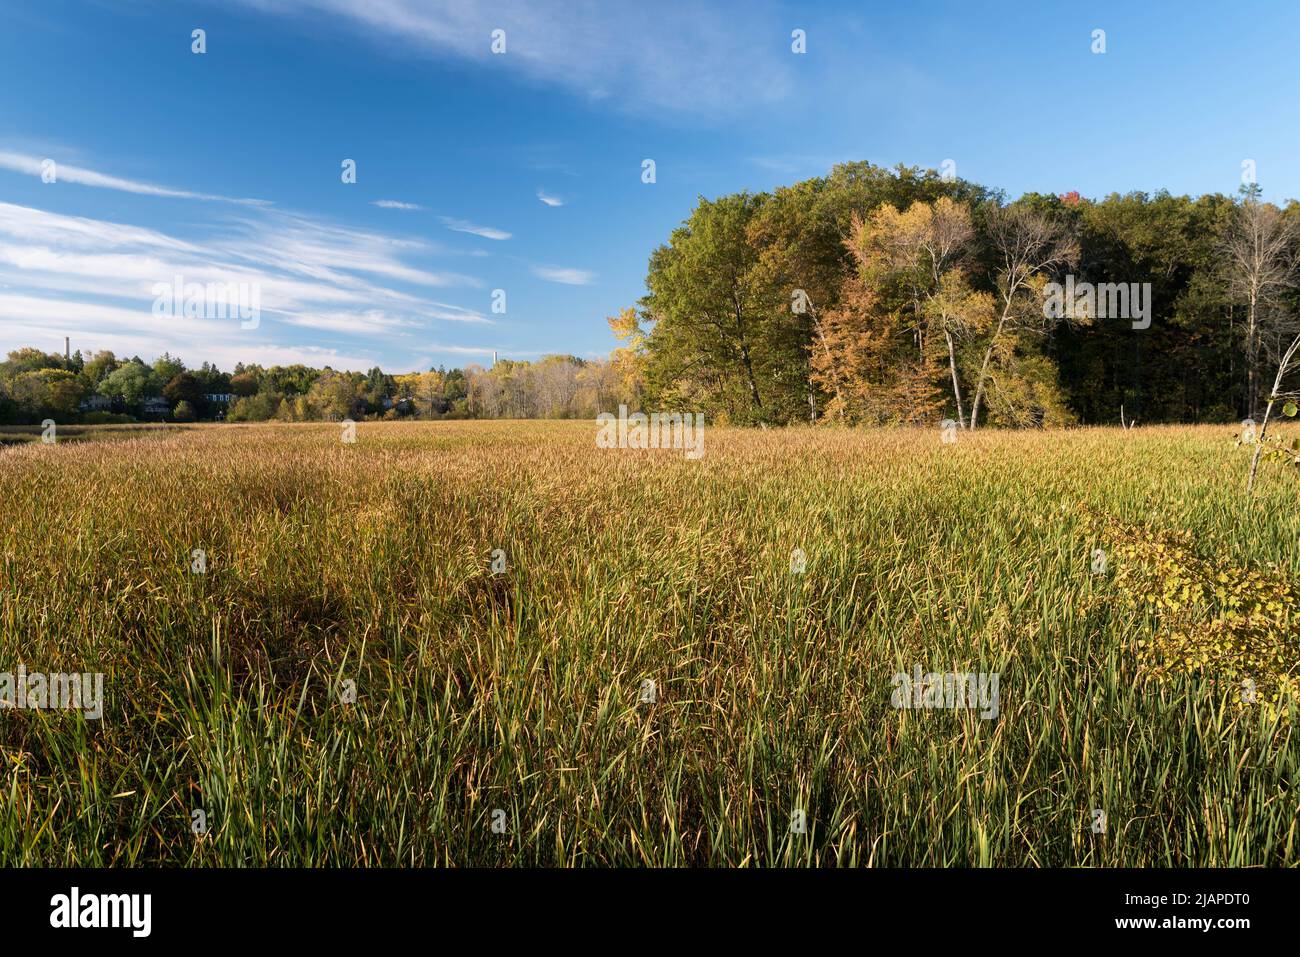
x=984, y=368
x=988, y=358
x=749, y=374
x=956, y=386
x=748, y=363
x=1259, y=447
x=1232, y=351
x=1252, y=361
x=1283, y=366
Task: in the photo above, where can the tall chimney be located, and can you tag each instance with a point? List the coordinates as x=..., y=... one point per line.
x=494, y=358
x=67, y=350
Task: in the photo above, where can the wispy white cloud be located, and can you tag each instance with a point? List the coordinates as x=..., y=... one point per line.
x=35, y=225
x=564, y=275
x=395, y=204
x=367, y=322
x=464, y=350
x=323, y=251
x=549, y=200
x=35, y=166
x=450, y=313
x=95, y=279
x=676, y=55
x=483, y=351
x=465, y=226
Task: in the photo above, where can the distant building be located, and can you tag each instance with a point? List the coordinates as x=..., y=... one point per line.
x=155, y=407
x=222, y=398
x=96, y=403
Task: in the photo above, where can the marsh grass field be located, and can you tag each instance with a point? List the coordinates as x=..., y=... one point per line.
x=329, y=563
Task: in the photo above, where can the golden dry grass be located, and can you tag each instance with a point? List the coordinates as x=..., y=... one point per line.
x=329, y=562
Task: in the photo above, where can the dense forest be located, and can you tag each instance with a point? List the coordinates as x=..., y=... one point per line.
x=879, y=296
x=868, y=296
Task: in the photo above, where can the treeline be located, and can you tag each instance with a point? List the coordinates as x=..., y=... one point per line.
x=36, y=385
x=895, y=296
x=867, y=296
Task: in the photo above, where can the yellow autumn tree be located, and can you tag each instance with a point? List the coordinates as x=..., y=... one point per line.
x=628, y=360
x=920, y=259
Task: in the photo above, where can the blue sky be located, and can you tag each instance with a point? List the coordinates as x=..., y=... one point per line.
x=226, y=166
